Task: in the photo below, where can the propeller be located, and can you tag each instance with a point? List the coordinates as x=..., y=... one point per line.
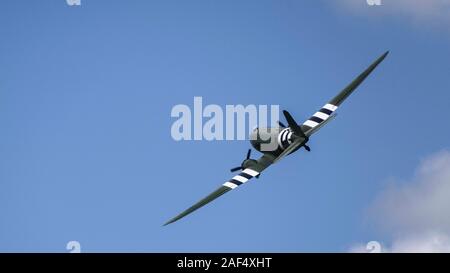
x=236, y=169
x=246, y=163
x=297, y=129
x=281, y=124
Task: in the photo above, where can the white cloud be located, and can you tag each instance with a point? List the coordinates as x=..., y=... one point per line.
x=421, y=204
x=416, y=213
x=434, y=12
x=426, y=243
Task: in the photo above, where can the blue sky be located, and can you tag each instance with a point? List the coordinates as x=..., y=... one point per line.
x=85, y=100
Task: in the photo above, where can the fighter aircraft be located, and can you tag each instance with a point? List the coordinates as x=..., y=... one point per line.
x=289, y=139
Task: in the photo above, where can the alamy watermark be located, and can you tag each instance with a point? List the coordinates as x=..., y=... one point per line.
x=73, y=247
x=373, y=2
x=374, y=247
x=212, y=122
x=73, y=2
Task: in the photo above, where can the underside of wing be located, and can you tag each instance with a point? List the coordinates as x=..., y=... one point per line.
x=329, y=109
x=220, y=191
x=233, y=183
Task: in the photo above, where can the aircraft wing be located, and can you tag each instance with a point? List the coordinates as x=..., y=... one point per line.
x=262, y=163
x=327, y=111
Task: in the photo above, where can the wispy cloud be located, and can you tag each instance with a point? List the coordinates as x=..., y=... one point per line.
x=416, y=212
x=429, y=12
x=429, y=242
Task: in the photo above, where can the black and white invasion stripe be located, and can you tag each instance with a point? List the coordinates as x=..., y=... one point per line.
x=241, y=178
x=320, y=116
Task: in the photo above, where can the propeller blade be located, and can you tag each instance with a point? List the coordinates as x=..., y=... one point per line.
x=236, y=169
x=281, y=124
x=294, y=126
x=249, y=153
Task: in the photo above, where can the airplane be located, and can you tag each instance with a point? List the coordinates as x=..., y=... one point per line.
x=289, y=139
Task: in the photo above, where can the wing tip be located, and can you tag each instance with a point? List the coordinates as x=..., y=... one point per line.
x=170, y=222
x=384, y=55
x=377, y=62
